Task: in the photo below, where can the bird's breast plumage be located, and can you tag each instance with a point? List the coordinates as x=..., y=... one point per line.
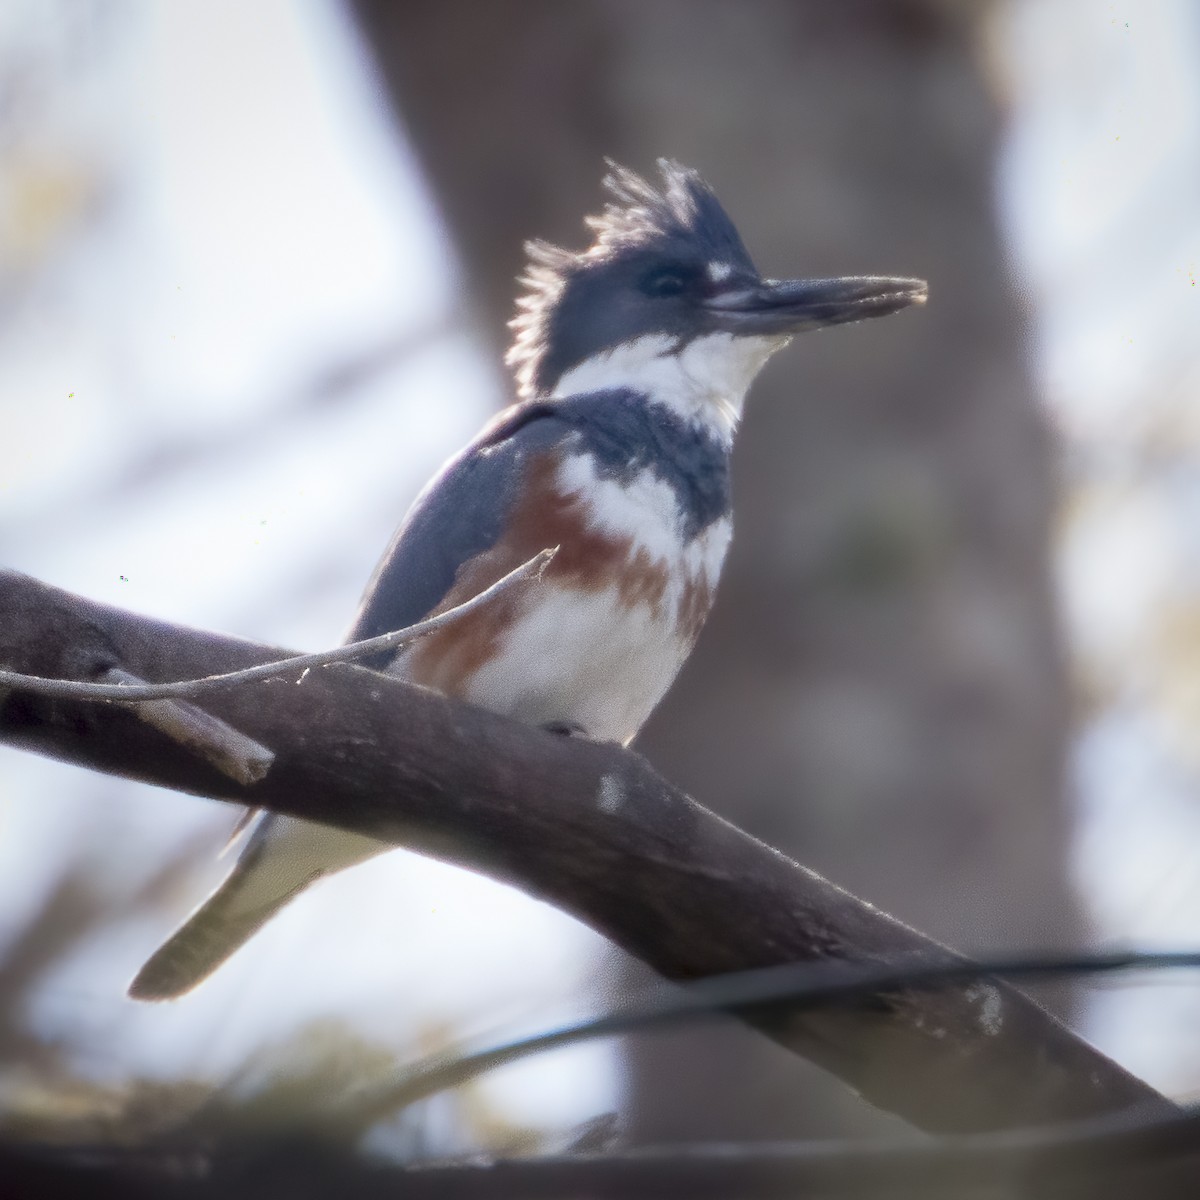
x=596, y=642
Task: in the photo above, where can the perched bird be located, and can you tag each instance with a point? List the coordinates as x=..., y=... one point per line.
x=632, y=360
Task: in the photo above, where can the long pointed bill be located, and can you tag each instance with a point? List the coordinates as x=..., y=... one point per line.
x=794, y=305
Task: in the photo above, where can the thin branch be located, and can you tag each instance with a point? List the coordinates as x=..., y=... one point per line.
x=586, y=826
x=241, y=758
x=134, y=693
x=234, y=754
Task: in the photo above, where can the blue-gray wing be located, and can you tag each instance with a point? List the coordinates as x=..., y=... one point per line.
x=461, y=513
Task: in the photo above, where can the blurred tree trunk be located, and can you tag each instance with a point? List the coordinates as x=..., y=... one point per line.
x=880, y=691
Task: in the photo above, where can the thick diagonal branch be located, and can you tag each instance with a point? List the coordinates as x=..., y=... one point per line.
x=589, y=828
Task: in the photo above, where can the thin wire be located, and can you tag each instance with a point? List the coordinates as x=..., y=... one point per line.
x=798, y=985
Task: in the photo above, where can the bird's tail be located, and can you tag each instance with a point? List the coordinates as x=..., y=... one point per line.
x=282, y=857
x=202, y=943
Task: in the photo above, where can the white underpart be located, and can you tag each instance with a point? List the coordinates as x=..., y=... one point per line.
x=705, y=382
x=645, y=509
x=592, y=658
x=292, y=852
x=583, y=658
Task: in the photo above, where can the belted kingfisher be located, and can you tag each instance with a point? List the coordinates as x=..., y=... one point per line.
x=632, y=360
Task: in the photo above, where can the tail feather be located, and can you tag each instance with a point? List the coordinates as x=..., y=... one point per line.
x=218, y=928
x=281, y=858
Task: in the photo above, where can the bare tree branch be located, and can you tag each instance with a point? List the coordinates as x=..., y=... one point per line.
x=164, y=705
x=586, y=826
x=126, y=688
x=234, y=754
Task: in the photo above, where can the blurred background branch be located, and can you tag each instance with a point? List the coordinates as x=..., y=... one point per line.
x=1145, y=1146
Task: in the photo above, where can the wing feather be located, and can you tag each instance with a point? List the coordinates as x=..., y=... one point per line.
x=460, y=514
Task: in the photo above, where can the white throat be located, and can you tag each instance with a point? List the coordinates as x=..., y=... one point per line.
x=705, y=382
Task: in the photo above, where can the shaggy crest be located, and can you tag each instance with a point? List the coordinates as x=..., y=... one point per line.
x=684, y=218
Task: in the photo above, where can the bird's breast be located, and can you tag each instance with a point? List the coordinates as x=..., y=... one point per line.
x=599, y=639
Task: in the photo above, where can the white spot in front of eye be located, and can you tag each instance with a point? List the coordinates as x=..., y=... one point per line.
x=718, y=272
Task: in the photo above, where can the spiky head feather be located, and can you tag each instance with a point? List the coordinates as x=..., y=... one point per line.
x=682, y=218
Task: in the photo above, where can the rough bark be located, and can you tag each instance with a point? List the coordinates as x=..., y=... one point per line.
x=586, y=826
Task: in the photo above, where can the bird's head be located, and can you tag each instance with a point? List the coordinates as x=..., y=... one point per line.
x=667, y=300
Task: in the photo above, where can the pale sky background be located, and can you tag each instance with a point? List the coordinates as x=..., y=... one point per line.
x=194, y=233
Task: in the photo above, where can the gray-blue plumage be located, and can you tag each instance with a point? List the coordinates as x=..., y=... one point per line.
x=626, y=433
x=460, y=514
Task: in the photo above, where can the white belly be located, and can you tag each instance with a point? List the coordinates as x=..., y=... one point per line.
x=586, y=658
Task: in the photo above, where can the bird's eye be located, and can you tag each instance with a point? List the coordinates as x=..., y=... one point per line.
x=666, y=281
